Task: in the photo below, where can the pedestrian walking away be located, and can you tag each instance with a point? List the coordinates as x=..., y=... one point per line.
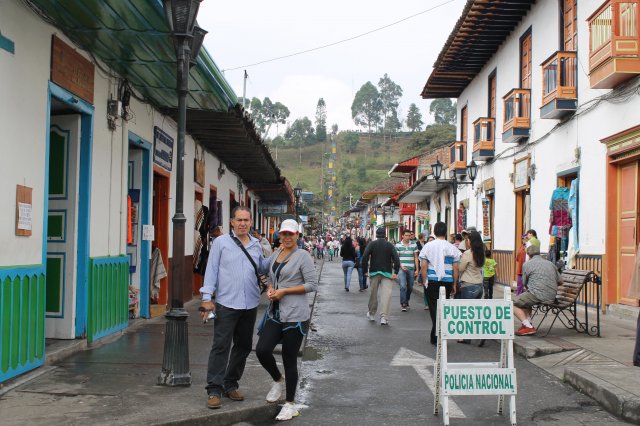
x=408, y=255
x=380, y=262
x=292, y=274
x=540, y=279
x=231, y=289
x=471, y=269
x=348, y=254
x=439, y=262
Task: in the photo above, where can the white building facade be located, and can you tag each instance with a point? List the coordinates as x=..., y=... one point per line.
x=549, y=92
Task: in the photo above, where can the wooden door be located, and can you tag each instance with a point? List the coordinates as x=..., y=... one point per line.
x=627, y=228
x=570, y=24
x=62, y=238
x=161, y=229
x=525, y=62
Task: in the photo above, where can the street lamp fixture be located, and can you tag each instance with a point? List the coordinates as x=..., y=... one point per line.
x=187, y=40
x=472, y=173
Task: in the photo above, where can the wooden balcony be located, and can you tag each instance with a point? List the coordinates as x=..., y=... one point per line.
x=614, y=43
x=517, y=113
x=559, y=92
x=458, y=157
x=484, y=138
x=407, y=209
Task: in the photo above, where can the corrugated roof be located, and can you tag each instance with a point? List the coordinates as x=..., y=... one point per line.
x=476, y=37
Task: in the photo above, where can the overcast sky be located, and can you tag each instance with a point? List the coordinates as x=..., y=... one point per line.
x=245, y=32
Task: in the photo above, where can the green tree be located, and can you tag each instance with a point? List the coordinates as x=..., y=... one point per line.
x=414, y=118
x=366, y=107
x=390, y=94
x=351, y=140
x=443, y=110
x=265, y=113
x=434, y=136
x=300, y=133
x=321, y=121
x=362, y=171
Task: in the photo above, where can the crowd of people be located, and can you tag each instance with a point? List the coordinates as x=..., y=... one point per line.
x=243, y=264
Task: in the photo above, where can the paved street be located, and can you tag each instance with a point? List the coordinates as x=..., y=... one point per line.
x=357, y=372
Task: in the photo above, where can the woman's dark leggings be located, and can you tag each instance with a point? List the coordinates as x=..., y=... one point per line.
x=291, y=341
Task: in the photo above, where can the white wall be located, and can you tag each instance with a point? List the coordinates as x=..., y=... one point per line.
x=554, y=152
x=23, y=104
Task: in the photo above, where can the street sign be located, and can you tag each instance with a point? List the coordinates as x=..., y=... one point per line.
x=475, y=319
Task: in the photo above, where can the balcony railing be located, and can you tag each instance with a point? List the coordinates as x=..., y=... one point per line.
x=458, y=157
x=484, y=138
x=614, y=43
x=559, y=93
x=517, y=113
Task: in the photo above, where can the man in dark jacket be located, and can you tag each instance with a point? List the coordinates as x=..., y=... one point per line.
x=381, y=263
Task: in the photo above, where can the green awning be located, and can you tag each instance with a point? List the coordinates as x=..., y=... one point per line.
x=132, y=38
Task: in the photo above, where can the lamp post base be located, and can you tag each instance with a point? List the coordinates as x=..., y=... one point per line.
x=175, y=363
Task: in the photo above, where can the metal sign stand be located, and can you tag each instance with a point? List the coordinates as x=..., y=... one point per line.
x=475, y=378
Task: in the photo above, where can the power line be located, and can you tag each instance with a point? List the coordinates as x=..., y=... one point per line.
x=340, y=41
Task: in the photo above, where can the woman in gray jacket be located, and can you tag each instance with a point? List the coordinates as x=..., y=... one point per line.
x=292, y=274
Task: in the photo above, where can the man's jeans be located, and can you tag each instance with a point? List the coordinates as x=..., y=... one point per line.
x=347, y=268
x=406, y=280
x=231, y=325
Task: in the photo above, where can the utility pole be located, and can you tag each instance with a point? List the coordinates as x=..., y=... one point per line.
x=244, y=90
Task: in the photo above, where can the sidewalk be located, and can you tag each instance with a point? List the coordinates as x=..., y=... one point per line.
x=600, y=367
x=114, y=382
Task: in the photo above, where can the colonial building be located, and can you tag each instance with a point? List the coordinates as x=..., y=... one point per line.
x=88, y=125
x=547, y=94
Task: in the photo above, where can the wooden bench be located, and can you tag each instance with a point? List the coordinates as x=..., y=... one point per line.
x=566, y=302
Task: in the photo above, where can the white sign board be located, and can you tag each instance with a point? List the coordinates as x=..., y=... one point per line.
x=24, y=216
x=480, y=381
x=148, y=232
x=476, y=319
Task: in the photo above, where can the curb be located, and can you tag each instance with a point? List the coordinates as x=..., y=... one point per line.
x=259, y=412
x=613, y=398
x=530, y=347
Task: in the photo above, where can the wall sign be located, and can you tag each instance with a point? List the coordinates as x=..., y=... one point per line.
x=162, y=149
x=486, y=219
x=24, y=211
x=199, y=167
x=71, y=70
x=520, y=173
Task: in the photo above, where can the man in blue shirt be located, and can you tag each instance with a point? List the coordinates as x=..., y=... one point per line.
x=232, y=291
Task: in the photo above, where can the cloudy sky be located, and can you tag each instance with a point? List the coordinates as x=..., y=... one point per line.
x=243, y=33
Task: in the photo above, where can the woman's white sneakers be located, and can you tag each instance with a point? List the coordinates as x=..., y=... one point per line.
x=288, y=412
x=275, y=393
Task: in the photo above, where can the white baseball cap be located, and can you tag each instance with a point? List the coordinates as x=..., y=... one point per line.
x=289, y=225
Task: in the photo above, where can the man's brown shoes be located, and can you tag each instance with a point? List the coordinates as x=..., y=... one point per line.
x=235, y=395
x=214, y=401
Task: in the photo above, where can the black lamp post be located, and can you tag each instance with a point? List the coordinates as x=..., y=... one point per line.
x=187, y=40
x=472, y=172
x=297, y=192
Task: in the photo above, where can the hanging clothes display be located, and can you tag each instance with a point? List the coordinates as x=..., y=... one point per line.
x=573, y=246
x=559, y=221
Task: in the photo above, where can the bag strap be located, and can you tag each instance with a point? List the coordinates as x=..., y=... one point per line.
x=261, y=286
